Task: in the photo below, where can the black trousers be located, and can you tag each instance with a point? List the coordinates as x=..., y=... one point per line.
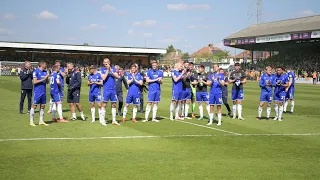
x=25, y=92
x=120, y=100
x=141, y=102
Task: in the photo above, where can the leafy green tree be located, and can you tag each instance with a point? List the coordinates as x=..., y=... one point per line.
x=185, y=56
x=170, y=49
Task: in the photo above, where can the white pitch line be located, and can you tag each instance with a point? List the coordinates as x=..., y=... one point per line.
x=305, y=134
x=107, y=137
x=208, y=127
x=149, y=137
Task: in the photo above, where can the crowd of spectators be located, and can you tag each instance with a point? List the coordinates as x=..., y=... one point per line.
x=305, y=64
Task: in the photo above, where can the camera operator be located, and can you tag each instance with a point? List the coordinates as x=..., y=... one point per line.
x=26, y=85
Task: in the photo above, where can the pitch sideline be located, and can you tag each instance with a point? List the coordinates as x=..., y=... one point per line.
x=150, y=137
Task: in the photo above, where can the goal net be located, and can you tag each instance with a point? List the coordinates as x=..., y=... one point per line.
x=11, y=68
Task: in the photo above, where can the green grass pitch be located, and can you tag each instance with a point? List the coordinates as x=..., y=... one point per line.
x=165, y=150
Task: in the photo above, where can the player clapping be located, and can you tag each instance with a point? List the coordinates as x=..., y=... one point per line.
x=95, y=83
x=280, y=92
x=154, y=78
x=135, y=81
x=267, y=82
x=201, y=82
x=177, y=75
x=216, y=80
x=238, y=78
x=108, y=75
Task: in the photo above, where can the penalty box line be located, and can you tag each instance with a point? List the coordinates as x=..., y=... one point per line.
x=208, y=127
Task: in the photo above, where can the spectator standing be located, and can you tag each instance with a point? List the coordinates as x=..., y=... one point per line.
x=314, y=77
x=26, y=85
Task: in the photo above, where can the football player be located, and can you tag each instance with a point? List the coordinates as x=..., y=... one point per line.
x=155, y=79
x=133, y=97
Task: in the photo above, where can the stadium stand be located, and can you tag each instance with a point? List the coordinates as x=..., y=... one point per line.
x=292, y=42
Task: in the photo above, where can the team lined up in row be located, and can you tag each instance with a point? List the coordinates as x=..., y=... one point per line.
x=187, y=83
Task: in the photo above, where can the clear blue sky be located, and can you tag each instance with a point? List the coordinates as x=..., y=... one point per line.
x=188, y=25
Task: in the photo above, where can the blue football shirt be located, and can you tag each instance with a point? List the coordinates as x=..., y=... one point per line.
x=177, y=86
x=109, y=82
x=282, y=79
x=267, y=79
x=154, y=86
x=54, y=87
x=94, y=88
x=216, y=87
x=134, y=88
x=39, y=88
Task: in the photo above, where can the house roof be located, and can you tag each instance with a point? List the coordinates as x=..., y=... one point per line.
x=205, y=50
x=173, y=56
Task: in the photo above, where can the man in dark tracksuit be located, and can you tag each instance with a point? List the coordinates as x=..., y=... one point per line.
x=26, y=85
x=74, y=87
x=225, y=92
x=143, y=88
x=119, y=89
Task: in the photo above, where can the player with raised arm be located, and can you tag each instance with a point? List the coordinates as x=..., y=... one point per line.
x=177, y=75
x=238, y=78
x=155, y=78
x=109, y=74
x=280, y=92
x=200, y=80
x=95, y=82
x=40, y=76
x=216, y=81
x=267, y=82
x=290, y=93
x=55, y=94
x=135, y=80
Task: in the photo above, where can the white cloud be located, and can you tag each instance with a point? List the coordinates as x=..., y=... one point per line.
x=112, y=9
x=177, y=7
x=145, y=23
x=71, y=39
x=182, y=7
x=7, y=16
x=4, y=32
x=46, y=15
x=197, y=27
x=167, y=40
x=306, y=13
x=130, y=31
x=92, y=27
x=200, y=6
x=147, y=34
